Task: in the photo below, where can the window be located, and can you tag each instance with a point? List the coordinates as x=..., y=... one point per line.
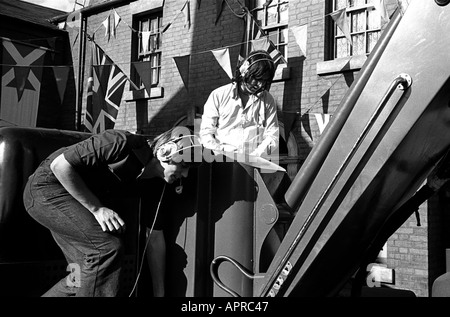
x=364, y=24
x=273, y=19
x=148, y=46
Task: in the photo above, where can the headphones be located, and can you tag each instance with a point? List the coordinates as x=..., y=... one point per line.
x=166, y=151
x=245, y=66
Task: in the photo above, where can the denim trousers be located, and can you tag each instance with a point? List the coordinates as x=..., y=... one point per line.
x=95, y=257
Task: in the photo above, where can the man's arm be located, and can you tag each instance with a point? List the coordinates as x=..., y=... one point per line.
x=156, y=258
x=270, y=140
x=108, y=219
x=208, y=126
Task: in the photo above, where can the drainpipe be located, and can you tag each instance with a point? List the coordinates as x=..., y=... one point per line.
x=80, y=79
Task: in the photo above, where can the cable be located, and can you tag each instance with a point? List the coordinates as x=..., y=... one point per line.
x=146, y=243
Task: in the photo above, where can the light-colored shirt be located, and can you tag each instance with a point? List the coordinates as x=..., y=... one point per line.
x=228, y=125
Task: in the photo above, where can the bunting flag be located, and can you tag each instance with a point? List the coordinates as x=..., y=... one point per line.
x=145, y=72
x=145, y=40
x=322, y=120
x=186, y=11
x=223, y=58
x=21, y=75
x=288, y=121
x=305, y=120
x=300, y=33
x=340, y=18
x=187, y=14
x=403, y=5
x=325, y=100
x=61, y=75
x=107, y=27
x=219, y=8
x=105, y=89
x=183, y=65
x=256, y=39
x=117, y=20
x=381, y=8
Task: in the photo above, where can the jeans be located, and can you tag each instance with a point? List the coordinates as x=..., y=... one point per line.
x=95, y=256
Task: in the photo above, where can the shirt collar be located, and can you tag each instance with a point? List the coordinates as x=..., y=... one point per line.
x=235, y=95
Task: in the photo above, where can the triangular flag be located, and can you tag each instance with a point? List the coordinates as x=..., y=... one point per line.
x=145, y=72
x=325, y=100
x=340, y=18
x=219, y=7
x=381, y=8
x=403, y=5
x=117, y=20
x=75, y=37
x=145, y=39
x=187, y=14
x=306, y=125
x=61, y=75
x=322, y=120
x=106, y=25
x=223, y=57
x=20, y=81
x=183, y=65
x=288, y=120
x=301, y=35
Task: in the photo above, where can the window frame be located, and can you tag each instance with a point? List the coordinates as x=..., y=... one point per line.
x=351, y=12
x=274, y=30
x=156, y=54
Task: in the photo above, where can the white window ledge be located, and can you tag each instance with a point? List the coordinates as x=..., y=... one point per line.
x=340, y=65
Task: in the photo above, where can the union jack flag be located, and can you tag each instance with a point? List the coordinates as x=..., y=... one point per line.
x=255, y=38
x=104, y=92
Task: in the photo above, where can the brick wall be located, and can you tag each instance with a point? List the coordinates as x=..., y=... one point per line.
x=302, y=95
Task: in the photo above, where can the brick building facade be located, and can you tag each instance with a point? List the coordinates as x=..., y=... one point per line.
x=308, y=89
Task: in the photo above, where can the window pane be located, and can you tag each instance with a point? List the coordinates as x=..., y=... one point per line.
x=144, y=25
x=358, y=21
x=358, y=44
x=340, y=4
x=154, y=25
x=272, y=15
x=259, y=16
x=273, y=36
x=341, y=47
x=284, y=13
x=374, y=19
x=372, y=38
x=259, y=3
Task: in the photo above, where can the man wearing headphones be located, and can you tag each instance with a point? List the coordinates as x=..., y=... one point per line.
x=242, y=116
x=74, y=193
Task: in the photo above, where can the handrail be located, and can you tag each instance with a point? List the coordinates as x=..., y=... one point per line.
x=214, y=268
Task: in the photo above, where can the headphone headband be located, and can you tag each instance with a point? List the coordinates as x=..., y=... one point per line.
x=243, y=69
x=170, y=148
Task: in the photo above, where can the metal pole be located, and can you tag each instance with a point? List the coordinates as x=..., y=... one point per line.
x=80, y=79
